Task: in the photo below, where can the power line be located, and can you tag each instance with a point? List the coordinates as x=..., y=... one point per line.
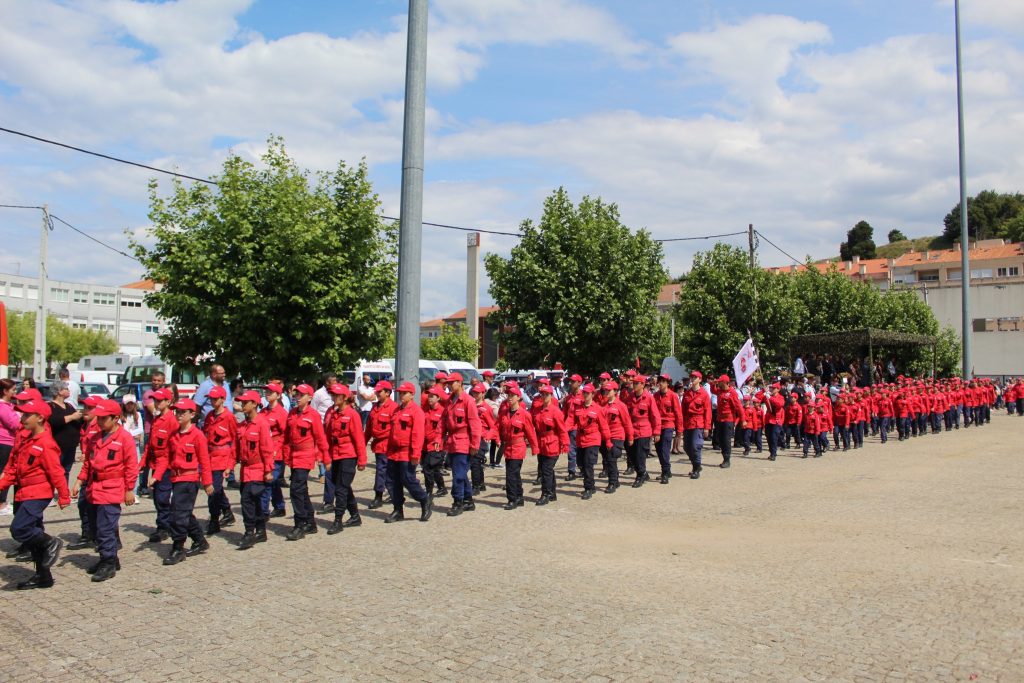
x=795, y=260
x=456, y=227
x=702, y=237
x=19, y=206
x=107, y=156
x=88, y=236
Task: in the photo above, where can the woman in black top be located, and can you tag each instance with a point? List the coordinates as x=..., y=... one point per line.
x=65, y=425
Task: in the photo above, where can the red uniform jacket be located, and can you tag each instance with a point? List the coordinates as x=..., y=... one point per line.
x=620, y=422
x=794, y=414
x=159, y=442
x=516, y=431
x=570, y=404
x=34, y=467
x=277, y=423
x=461, y=425
x=488, y=425
x=378, y=426
x=111, y=468
x=885, y=408
x=91, y=432
x=345, y=438
x=254, y=448
x=407, y=433
x=433, y=426
x=730, y=408
x=671, y=410
x=751, y=417
x=811, y=423
x=188, y=459
x=221, y=431
x=643, y=411
x=776, y=410
x=696, y=409
x=591, y=426
x=305, y=443
x=552, y=436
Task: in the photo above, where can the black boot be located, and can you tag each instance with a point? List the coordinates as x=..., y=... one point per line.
x=520, y=502
x=296, y=534
x=377, y=501
x=354, y=520
x=106, y=570
x=198, y=547
x=82, y=543
x=158, y=536
x=543, y=500
x=587, y=495
x=468, y=505
x=638, y=483
x=725, y=464
x=11, y=554
x=248, y=540
x=397, y=515
x=93, y=569
x=261, y=535
x=336, y=527
x=177, y=553
x=41, y=579
x=228, y=518
x=426, y=509
x=311, y=528
x=456, y=508
x=611, y=488
x=441, y=492
x=511, y=505
x=212, y=527
x=50, y=547
x=695, y=474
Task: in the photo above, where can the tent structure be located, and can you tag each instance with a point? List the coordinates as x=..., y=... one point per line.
x=866, y=339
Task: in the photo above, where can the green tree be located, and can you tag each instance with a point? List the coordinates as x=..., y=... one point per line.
x=989, y=214
x=21, y=340
x=896, y=236
x=579, y=288
x=1013, y=229
x=452, y=344
x=859, y=242
x=718, y=306
x=831, y=301
x=276, y=272
x=64, y=344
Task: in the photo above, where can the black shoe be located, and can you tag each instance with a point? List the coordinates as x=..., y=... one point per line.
x=377, y=501
x=629, y=471
x=261, y=536
x=337, y=527
x=804, y=455
x=426, y=509
x=772, y=458
x=571, y=476
x=36, y=581
x=24, y=556
x=94, y=568
x=228, y=518
x=326, y=508
x=11, y=554
x=296, y=534
x=611, y=488
x=279, y=512
x=553, y=497
x=441, y=493
x=81, y=544
x=695, y=474
x=397, y=516
x=177, y=555
x=520, y=502
x=725, y=465
x=746, y=451
x=51, y=551
x=647, y=476
x=511, y=505
x=106, y=570
x=536, y=482
x=248, y=540
x=476, y=490
x=587, y=495
x=663, y=479
x=198, y=548
x=602, y=475
x=212, y=528
x=354, y=520
x=543, y=500
x=158, y=536
x=483, y=487
x=638, y=483
x=456, y=509
x=311, y=528
x=468, y=505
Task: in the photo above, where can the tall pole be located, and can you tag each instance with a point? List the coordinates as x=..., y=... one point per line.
x=473, y=289
x=753, y=274
x=965, y=242
x=39, y=358
x=410, y=232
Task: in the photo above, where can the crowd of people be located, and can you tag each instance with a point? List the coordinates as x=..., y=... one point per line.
x=228, y=437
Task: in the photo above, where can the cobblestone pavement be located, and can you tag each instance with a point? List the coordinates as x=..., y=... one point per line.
x=903, y=562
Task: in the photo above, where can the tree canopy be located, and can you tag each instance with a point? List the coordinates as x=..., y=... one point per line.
x=859, y=242
x=276, y=272
x=579, y=288
x=896, y=236
x=452, y=344
x=990, y=214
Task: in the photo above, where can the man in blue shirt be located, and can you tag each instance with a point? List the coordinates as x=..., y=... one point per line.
x=202, y=396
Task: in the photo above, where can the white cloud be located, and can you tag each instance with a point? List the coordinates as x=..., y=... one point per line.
x=1005, y=15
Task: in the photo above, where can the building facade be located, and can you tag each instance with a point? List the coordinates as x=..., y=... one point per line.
x=119, y=311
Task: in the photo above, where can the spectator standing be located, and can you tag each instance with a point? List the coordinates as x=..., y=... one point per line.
x=10, y=423
x=65, y=421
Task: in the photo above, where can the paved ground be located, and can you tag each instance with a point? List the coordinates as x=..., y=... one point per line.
x=903, y=562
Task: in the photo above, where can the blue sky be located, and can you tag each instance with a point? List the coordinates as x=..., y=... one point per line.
x=696, y=117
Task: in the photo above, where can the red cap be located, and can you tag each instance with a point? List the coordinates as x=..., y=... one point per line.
x=305, y=389
x=575, y=378
x=107, y=407
x=441, y=377
x=478, y=389
x=696, y=373
x=513, y=391
x=407, y=388
x=487, y=373
x=36, y=407
x=543, y=381
x=587, y=388
x=217, y=391
x=776, y=386
x=185, y=404
x=639, y=379
x=455, y=377
x=610, y=386
x=29, y=395
x=163, y=395
x=630, y=373
x=91, y=401
x=546, y=390
x=664, y=378
x=604, y=375
x=339, y=388
x=439, y=392
x=724, y=378
x=383, y=385
x=274, y=387
x=511, y=384
x=250, y=395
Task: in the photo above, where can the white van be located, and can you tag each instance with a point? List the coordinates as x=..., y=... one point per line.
x=111, y=379
x=375, y=370
x=467, y=370
x=427, y=369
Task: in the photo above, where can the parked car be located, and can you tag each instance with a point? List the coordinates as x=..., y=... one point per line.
x=135, y=388
x=94, y=389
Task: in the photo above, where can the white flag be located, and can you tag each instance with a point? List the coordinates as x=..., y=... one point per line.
x=745, y=363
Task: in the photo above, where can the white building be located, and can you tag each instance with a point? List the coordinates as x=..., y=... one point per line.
x=120, y=311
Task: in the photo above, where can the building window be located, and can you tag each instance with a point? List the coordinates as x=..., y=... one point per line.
x=1010, y=271
x=17, y=291
x=59, y=295
x=103, y=325
x=104, y=298
x=153, y=329
x=131, y=326
x=81, y=296
x=928, y=276
x=32, y=292
x=80, y=324
x=131, y=303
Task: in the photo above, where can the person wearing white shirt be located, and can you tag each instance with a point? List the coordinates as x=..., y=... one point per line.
x=74, y=389
x=322, y=400
x=367, y=397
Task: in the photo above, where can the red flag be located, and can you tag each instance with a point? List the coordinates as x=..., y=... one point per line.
x=638, y=362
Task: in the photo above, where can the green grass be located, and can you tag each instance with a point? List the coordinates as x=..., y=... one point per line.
x=897, y=249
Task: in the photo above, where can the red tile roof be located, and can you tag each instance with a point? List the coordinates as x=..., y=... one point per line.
x=141, y=284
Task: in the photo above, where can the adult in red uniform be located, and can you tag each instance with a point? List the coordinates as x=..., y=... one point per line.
x=775, y=414
x=643, y=411
x=730, y=416
x=188, y=462
x=515, y=427
x=157, y=452
x=462, y=430
x=347, y=453
x=620, y=429
x=34, y=467
x=405, y=445
x=671, y=410
x=552, y=441
x=111, y=470
x=378, y=429
x=696, y=421
x=591, y=434
x=254, y=452
x=304, y=446
x=221, y=431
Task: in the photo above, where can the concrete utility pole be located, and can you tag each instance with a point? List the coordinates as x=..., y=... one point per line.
x=473, y=289
x=965, y=242
x=410, y=234
x=750, y=241
x=39, y=358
